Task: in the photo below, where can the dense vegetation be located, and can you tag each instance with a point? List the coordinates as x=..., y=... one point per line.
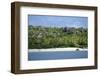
x=53, y=37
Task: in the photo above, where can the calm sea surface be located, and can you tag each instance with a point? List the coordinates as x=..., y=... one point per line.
x=57, y=55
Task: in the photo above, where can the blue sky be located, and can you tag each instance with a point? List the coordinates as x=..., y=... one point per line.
x=58, y=21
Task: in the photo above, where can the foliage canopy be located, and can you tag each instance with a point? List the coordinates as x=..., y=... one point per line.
x=55, y=37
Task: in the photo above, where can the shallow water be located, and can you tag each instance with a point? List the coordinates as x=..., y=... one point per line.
x=57, y=55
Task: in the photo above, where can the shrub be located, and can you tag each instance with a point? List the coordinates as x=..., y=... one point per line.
x=47, y=37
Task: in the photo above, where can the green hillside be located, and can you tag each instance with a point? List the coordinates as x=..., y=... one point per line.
x=54, y=37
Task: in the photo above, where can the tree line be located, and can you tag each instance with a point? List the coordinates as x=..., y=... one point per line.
x=55, y=37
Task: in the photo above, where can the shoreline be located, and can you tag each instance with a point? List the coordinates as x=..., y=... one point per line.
x=58, y=49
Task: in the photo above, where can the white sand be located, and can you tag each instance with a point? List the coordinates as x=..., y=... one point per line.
x=58, y=49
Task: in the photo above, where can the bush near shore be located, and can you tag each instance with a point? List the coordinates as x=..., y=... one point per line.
x=54, y=37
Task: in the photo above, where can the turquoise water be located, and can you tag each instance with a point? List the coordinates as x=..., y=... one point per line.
x=57, y=55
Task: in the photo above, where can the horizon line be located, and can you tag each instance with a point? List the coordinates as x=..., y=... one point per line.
x=59, y=26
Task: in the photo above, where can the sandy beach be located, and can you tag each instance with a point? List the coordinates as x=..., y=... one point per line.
x=58, y=49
